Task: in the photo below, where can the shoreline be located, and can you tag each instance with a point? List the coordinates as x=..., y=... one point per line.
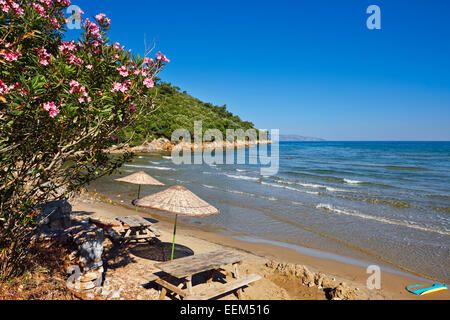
x=393, y=281
x=165, y=145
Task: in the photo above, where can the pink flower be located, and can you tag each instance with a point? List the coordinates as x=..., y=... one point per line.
x=100, y=16
x=54, y=23
x=73, y=59
x=16, y=7
x=40, y=9
x=67, y=46
x=148, y=83
x=92, y=29
x=10, y=57
x=51, y=108
x=117, y=86
x=132, y=108
x=123, y=71
x=45, y=57
x=77, y=88
x=74, y=83
x=102, y=20
x=89, y=66
x=162, y=57
x=54, y=112
x=3, y=88
x=5, y=6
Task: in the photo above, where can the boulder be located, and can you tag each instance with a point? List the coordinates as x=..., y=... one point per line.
x=55, y=216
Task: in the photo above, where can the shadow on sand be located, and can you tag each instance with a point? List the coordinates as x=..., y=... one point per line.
x=159, y=251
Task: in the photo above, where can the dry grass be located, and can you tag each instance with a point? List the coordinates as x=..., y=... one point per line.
x=45, y=278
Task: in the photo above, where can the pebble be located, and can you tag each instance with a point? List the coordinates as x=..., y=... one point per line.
x=105, y=292
x=116, y=294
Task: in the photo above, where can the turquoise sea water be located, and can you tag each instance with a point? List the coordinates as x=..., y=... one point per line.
x=379, y=202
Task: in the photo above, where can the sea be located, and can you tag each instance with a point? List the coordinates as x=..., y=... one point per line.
x=365, y=203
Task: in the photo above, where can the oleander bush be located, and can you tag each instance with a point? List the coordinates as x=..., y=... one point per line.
x=62, y=104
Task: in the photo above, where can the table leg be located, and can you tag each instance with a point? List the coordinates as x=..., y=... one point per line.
x=163, y=293
x=236, y=275
x=210, y=278
x=127, y=233
x=189, y=284
x=164, y=290
x=236, y=271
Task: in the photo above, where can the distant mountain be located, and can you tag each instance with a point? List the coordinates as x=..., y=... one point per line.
x=294, y=137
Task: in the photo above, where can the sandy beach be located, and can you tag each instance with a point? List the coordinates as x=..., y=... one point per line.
x=128, y=267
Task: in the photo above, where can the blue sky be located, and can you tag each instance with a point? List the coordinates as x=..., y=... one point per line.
x=305, y=67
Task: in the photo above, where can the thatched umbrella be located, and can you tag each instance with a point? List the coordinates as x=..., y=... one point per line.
x=177, y=200
x=142, y=179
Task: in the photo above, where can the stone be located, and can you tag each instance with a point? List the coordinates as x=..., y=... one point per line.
x=115, y=295
x=319, y=279
x=91, y=250
x=105, y=292
x=342, y=292
x=327, y=283
x=88, y=233
x=90, y=296
x=93, y=265
x=55, y=215
x=307, y=277
x=90, y=276
x=98, y=291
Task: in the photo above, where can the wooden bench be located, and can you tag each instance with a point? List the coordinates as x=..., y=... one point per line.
x=137, y=228
x=184, y=268
x=228, y=287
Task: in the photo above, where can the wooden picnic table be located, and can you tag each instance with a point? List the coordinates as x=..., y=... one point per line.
x=185, y=268
x=137, y=228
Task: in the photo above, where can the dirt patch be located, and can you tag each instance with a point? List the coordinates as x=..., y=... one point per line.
x=46, y=278
x=295, y=289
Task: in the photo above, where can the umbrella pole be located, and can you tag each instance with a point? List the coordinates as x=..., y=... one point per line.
x=173, y=241
x=139, y=193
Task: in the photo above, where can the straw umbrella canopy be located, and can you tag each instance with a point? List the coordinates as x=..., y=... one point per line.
x=140, y=178
x=179, y=201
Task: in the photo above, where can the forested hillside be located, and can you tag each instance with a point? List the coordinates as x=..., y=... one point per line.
x=177, y=109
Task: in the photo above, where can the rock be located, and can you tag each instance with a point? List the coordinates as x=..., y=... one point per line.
x=90, y=296
x=271, y=264
x=116, y=294
x=86, y=233
x=93, y=265
x=92, y=275
x=98, y=291
x=55, y=216
x=105, y=292
x=342, y=292
x=327, y=283
x=319, y=278
x=307, y=277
